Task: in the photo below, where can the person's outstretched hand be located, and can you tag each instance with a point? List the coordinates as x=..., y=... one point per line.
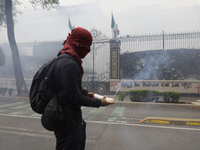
x=104, y=102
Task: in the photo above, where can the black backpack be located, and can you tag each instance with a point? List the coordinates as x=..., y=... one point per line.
x=43, y=99
x=41, y=91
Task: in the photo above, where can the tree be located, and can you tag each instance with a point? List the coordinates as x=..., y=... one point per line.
x=10, y=9
x=19, y=78
x=2, y=57
x=15, y=11
x=46, y=4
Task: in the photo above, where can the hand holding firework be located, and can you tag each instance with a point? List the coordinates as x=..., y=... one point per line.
x=108, y=100
x=97, y=96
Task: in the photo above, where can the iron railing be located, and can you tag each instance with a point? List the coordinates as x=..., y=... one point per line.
x=162, y=41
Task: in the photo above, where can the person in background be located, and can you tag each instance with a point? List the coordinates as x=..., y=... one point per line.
x=68, y=74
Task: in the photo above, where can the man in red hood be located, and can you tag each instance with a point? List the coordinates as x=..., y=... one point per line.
x=68, y=74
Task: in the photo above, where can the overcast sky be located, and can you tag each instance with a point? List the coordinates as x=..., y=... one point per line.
x=132, y=17
x=125, y=5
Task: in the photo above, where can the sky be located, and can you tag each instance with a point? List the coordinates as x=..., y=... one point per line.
x=125, y=5
x=132, y=17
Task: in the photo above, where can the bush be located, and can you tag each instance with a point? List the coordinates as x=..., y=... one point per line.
x=171, y=97
x=141, y=95
x=3, y=91
x=10, y=91
x=122, y=95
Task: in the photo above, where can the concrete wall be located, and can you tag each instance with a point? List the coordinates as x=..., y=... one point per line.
x=181, y=86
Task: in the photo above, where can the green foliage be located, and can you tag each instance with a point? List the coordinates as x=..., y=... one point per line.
x=2, y=13
x=15, y=11
x=2, y=57
x=46, y=4
x=158, y=65
x=171, y=97
x=141, y=95
x=122, y=95
x=3, y=91
x=10, y=90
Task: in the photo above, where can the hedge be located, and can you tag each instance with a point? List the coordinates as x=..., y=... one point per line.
x=10, y=91
x=3, y=90
x=171, y=97
x=141, y=95
x=122, y=95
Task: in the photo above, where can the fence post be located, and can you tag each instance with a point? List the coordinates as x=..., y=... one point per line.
x=114, y=64
x=114, y=59
x=163, y=40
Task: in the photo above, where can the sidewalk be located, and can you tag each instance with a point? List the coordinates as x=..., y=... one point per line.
x=184, y=103
x=183, y=99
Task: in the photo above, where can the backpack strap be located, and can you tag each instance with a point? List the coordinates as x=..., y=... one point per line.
x=60, y=94
x=53, y=62
x=65, y=55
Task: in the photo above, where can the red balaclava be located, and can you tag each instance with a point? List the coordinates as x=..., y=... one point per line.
x=78, y=44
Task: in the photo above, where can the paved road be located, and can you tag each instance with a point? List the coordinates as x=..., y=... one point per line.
x=116, y=127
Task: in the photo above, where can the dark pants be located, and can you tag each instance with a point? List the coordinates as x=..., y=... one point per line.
x=71, y=135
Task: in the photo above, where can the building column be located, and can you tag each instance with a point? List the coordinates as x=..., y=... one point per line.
x=114, y=59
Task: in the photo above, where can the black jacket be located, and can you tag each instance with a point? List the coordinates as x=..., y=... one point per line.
x=68, y=77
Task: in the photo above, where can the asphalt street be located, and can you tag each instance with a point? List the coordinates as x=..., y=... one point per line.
x=116, y=127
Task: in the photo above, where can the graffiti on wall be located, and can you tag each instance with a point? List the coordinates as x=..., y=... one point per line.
x=179, y=86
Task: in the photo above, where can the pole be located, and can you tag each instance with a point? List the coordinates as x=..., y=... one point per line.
x=93, y=68
x=34, y=57
x=163, y=40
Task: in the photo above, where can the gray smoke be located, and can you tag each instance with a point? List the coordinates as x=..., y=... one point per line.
x=151, y=65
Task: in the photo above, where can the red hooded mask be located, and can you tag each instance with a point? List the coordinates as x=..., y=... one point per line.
x=78, y=44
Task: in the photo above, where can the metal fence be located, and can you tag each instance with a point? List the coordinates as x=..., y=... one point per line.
x=96, y=64
x=165, y=41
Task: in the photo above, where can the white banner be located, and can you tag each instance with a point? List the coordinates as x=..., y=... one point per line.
x=181, y=86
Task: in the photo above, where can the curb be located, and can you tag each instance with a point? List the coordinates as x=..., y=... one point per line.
x=156, y=105
x=12, y=97
x=148, y=105
x=22, y=98
x=171, y=121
